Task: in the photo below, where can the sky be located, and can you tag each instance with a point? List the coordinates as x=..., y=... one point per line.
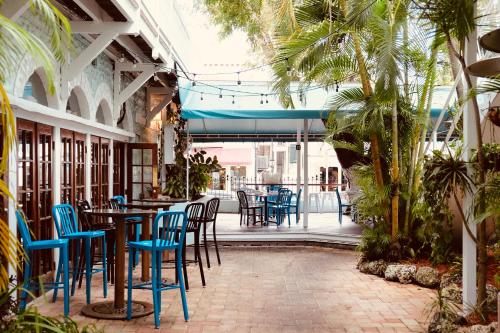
x=212, y=54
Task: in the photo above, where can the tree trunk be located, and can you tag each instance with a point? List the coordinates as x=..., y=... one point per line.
x=395, y=172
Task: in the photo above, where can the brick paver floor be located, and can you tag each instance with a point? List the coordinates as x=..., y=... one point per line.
x=275, y=289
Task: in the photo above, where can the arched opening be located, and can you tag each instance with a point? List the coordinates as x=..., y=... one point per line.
x=77, y=103
x=34, y=90
x=103, y=114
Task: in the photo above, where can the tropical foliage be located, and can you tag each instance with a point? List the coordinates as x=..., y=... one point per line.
x=15, y=43
x=396, y=51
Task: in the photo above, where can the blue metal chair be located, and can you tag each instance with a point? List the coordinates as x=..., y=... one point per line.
x=341, y=205
x=120, y=200
x=67, y=228
x=30, y=246
x=295, y=204
x=282, y=206
x=166, y=237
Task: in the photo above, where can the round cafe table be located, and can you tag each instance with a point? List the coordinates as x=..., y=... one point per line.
x=116, y=308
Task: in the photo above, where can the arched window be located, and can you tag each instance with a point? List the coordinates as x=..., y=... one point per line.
x=72, y=106
x=77, y=103
x=34, y=90
x=103, y=114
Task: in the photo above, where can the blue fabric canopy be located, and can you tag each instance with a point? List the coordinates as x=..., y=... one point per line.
x=221, y=108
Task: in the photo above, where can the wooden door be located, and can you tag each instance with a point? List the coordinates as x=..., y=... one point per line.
x=142, y=165
x=79, y=166
x=118, y=168
x=94, y=171
x=34, y=178
x=67, y=158
x=104, y=172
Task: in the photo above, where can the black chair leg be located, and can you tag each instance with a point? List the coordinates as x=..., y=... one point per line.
x=205, y=244
x=197, y=250
x=215, y=244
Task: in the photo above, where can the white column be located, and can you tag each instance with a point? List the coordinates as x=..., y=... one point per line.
x=470, y=142
x=306, y=173
x=12, y=202
x=188, y=150
x=297, y=153
x=88, y=166
x=111, y=169
x=56, y=176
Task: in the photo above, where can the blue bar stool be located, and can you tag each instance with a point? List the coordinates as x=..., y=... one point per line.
x=67, y=228
x=165, y=228
x=30, y=246
x=115, y=203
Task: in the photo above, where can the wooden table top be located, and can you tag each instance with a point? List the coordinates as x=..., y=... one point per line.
x=119, y=212
x=148, y=205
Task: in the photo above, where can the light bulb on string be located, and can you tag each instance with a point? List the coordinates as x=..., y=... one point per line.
x=155, y=77
x=300, y=96
x=233, y=99
x=239, y=81
x=261, y=101
x=201, y=96
x=194, y=80
x=267, y=101
x=220, y=93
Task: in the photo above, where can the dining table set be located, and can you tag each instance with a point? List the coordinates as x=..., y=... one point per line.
x=147, y=210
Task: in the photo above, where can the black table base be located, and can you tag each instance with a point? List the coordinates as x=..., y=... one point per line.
x=106, y=310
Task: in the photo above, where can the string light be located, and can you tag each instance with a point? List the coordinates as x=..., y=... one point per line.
x=201, y=96
x=233, y=99
x=266, y=100
x=155, y=77
x=239, y=81
x=261, y=101
x=220, y=93
x=300, y=96
x=194, y=80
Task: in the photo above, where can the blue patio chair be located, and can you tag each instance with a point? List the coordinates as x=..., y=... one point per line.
x=30, y=246
x=295, y=204
x=115, y=203
x=67, y=228
x=166, y=237
x=282, y=206
x=341, y=205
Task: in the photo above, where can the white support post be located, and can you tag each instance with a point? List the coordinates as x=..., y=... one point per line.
x=297, y=152
x=134, y=86
x=93, y=27
x=88, y=167
x=188, y=150
x=56, y=175
x=469, y=251
x=85, y=58
x=111, y=168
x=306, y=173
x=14, y=9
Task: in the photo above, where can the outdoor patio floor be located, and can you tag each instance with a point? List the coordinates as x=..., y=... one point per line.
x=274, y=289
x=322, y=227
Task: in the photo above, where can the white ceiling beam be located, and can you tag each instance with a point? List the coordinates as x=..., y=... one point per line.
x=92, y=8
x=90, y=53
x=132, y=47
x=134, y=86
x=166, y=101
x=13, y=9
x=92, y=27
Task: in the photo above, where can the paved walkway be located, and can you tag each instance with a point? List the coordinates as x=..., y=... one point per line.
x=285, y=289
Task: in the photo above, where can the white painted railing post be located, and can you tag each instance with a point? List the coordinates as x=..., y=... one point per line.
x=56, y=176
x=88, y=167
x=306, y=173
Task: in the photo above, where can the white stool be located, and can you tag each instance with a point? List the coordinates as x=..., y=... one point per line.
x=316, y=200
x=327, y=196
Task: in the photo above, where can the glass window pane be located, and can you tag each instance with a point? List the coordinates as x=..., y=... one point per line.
x=137, y=174
x=136, y=191
x=147, y=174
x=148, y=156
x=136, y=156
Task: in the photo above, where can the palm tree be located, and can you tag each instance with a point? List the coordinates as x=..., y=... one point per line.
x=15, y=42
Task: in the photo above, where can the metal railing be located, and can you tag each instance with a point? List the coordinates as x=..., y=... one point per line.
x=226, y=187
